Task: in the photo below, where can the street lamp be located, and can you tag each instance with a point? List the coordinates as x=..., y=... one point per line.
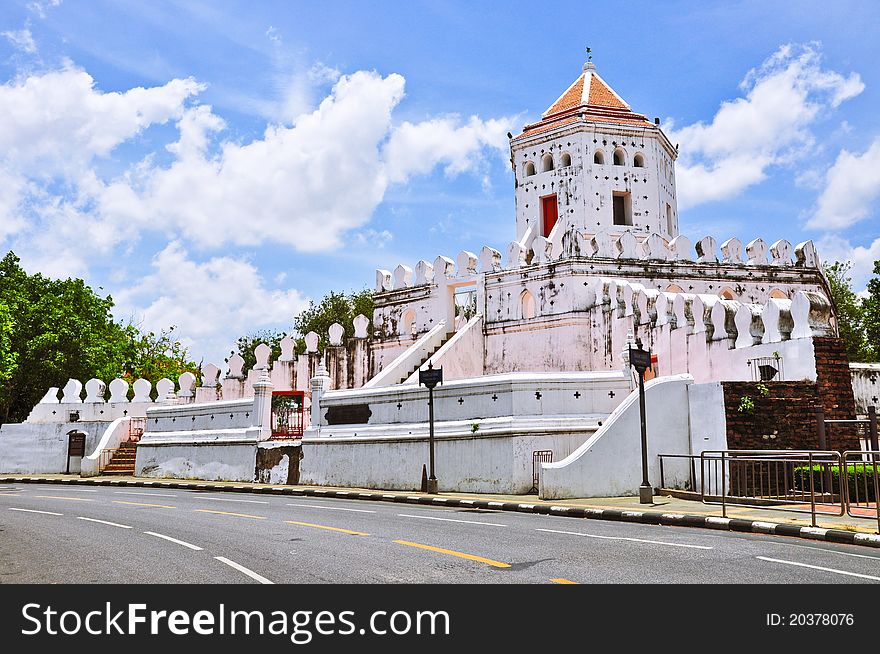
x=430, y=378
x=641, y=360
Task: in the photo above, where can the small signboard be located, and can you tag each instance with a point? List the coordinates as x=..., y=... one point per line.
x=77, y=445
x=431, y=377
x=640, y=359
x=350, y=414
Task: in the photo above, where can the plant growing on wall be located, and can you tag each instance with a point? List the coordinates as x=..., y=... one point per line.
x=746, y=404
x=763, y=390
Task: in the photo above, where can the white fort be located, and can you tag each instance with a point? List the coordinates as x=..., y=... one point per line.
x=532, y=342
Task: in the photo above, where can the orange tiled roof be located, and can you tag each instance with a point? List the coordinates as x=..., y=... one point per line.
x=601, y=96
x=590, y=100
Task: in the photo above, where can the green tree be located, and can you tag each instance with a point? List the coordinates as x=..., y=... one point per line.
x=334, y=307
x=55, y=330
x=245, y=345
x=850, y=311
x=153, y=356
x=8, y=358
x=871, y=316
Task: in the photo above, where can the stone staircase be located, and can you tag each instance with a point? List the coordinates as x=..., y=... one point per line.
x=427, y=356
x=122, y=460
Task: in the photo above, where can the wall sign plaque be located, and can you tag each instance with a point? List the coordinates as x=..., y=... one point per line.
x=349, y=414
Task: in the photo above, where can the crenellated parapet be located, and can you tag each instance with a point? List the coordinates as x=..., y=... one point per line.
x=106, y=402
x=740, y=324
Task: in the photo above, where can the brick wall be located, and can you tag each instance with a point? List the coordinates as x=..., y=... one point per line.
x=786, y=419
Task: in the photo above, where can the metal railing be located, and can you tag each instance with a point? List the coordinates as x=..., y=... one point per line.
x=818, y=482
x=539, y=457
x=867, y=427
x=861, y=481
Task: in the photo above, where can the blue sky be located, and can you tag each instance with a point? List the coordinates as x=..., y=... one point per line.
x=213, y=165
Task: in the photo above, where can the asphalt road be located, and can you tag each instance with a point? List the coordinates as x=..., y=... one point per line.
x=73, y=534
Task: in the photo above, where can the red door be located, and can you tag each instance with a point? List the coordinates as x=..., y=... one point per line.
x=550, y=213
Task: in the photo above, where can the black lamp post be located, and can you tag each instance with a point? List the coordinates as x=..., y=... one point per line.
x=430, y=378
x=641, y=360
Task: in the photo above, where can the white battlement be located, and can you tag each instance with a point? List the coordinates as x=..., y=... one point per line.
x=536, y=249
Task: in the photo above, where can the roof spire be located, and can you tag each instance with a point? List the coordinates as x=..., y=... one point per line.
x=589, y=65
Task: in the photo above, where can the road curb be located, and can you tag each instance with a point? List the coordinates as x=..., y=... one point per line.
x=614, y=515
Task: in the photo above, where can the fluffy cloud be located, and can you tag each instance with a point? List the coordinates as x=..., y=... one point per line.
x=66, y=205
x=836, y=248
x=57, y=122
x=769, y=126
x=212, y=302
x=304, y=185
x=418, y=148
x=852, y=184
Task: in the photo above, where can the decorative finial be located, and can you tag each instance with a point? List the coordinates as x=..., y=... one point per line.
x=589, y=65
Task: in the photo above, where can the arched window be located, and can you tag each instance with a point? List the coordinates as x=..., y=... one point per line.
x=565, y=161
x=546, y=162
x=674, y=288
x=529, y=169
x=726, y=293
x=527, y=301
x=599, y=157
x=619, y=157
x=639, y=161
x=778, y=294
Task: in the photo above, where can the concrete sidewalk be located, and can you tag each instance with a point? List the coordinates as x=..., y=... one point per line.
x=663, y=504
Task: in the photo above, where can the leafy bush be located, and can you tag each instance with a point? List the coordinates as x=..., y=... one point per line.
x=856, y=474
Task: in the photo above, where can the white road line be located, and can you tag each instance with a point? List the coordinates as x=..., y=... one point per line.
x=634, y=540
x=818, y=567
x=470, y=522
x=78, y=490
x=227, y=499
x=174, y=540
x=331, y=508
x=104, y=522
x=241, y=568
x=822, y=549
x=142, y=493
x=35, y=511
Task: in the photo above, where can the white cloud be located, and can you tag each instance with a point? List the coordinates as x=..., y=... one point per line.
x=21, y=39
x=832, y=248
x=303, y=185
x=418, y=148
x=306, y=186
x=769, y=126
x=212, y=303
x=57, y=122
x=852, y=185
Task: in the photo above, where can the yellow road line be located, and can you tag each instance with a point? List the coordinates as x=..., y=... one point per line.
x=344, y=531
x=462, y=555
x=563, y=581
x=158, y=506
x=55, y=497
x=237, y=515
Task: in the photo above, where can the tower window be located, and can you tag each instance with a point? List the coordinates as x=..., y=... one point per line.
x=638, y=161
x=599, y=157
x=565, y=161
x=670, y=222
x=622, y=205
x=619, y=157
x=527, y=301
x=529, y=169
x=549, y=213
x=546, y=163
